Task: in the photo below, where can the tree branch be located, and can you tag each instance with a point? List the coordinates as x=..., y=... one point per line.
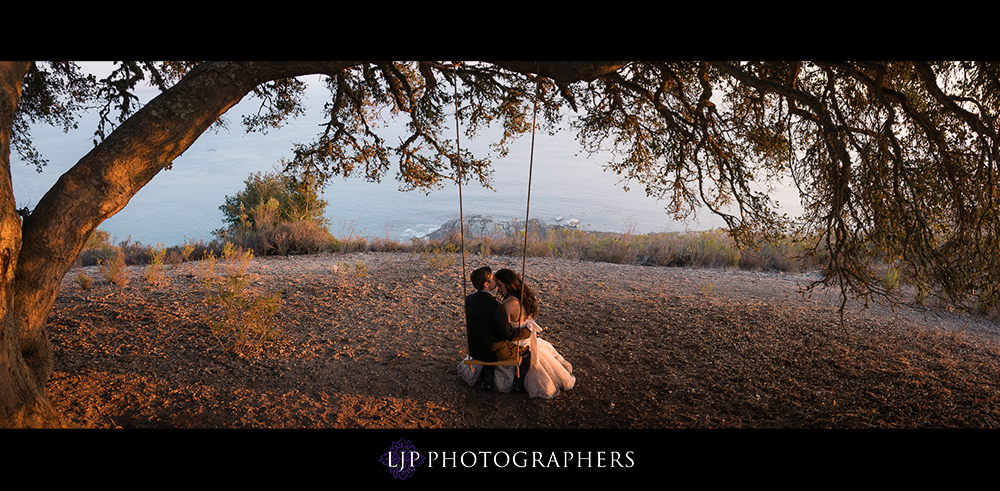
x=564, y=72
x=104, y=180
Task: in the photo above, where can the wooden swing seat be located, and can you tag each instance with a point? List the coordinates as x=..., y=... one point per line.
x=506, y=363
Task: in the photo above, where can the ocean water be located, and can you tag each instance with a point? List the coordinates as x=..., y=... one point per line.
x=182, y=203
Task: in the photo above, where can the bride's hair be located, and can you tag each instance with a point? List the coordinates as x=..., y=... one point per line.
x=515, y=286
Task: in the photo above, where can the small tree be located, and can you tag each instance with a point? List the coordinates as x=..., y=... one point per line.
x=278, y=197
x=277, y=213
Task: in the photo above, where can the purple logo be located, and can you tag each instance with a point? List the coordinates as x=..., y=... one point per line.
x=402, y=459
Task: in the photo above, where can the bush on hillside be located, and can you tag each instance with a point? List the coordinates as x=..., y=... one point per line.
x=273, y=197
x=277, y=213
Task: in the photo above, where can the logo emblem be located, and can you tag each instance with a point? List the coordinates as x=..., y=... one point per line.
x=402, y=459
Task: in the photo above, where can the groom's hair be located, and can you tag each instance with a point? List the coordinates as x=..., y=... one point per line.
x=480, y=276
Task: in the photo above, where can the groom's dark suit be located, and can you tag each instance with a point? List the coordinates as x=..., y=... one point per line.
x=488, y=333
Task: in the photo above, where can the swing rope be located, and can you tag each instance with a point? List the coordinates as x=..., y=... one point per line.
x=461, y=219
x=527, y=205
x=461, y=175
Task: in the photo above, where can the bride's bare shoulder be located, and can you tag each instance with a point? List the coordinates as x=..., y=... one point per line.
x=512, y=307
x=511, y=301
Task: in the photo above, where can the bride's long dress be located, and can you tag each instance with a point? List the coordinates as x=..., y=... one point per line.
x=549, y=372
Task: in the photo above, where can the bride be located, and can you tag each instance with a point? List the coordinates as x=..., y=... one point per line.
x=549, y=372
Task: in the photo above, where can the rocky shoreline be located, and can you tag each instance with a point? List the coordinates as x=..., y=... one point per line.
x=489, y=226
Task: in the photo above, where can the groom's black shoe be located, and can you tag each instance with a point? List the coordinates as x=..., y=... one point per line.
x=488, y=378
x=519, y=384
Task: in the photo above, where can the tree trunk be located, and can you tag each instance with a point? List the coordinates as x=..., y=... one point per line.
x=22, y=393
x=36, y=254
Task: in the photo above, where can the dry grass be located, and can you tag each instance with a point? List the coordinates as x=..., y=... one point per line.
x=704, y=249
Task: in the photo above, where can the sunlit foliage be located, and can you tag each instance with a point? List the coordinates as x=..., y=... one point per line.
x=896, y=162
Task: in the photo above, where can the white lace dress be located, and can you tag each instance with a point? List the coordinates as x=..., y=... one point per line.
x=549, y=372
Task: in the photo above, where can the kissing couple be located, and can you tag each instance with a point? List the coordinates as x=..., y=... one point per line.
x=504, y=329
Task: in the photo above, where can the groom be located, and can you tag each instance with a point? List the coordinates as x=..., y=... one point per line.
x=489, y=332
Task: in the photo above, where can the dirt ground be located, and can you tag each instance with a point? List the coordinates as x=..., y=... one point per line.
x=372, y=340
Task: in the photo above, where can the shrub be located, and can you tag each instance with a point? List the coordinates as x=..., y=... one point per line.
x=178, y=255
x=113, y=269
x=155, y=274
x=344, y=270
x=277, y=214
x=83, y=280
x=236, y=260
x=298, y=237
x=274, y=197
x=98, y=239
x=205, y=269
x=242, y=321
x=97, y=248
x=440, y=256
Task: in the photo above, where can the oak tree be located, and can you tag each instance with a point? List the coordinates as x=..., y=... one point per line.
x=895, y=161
